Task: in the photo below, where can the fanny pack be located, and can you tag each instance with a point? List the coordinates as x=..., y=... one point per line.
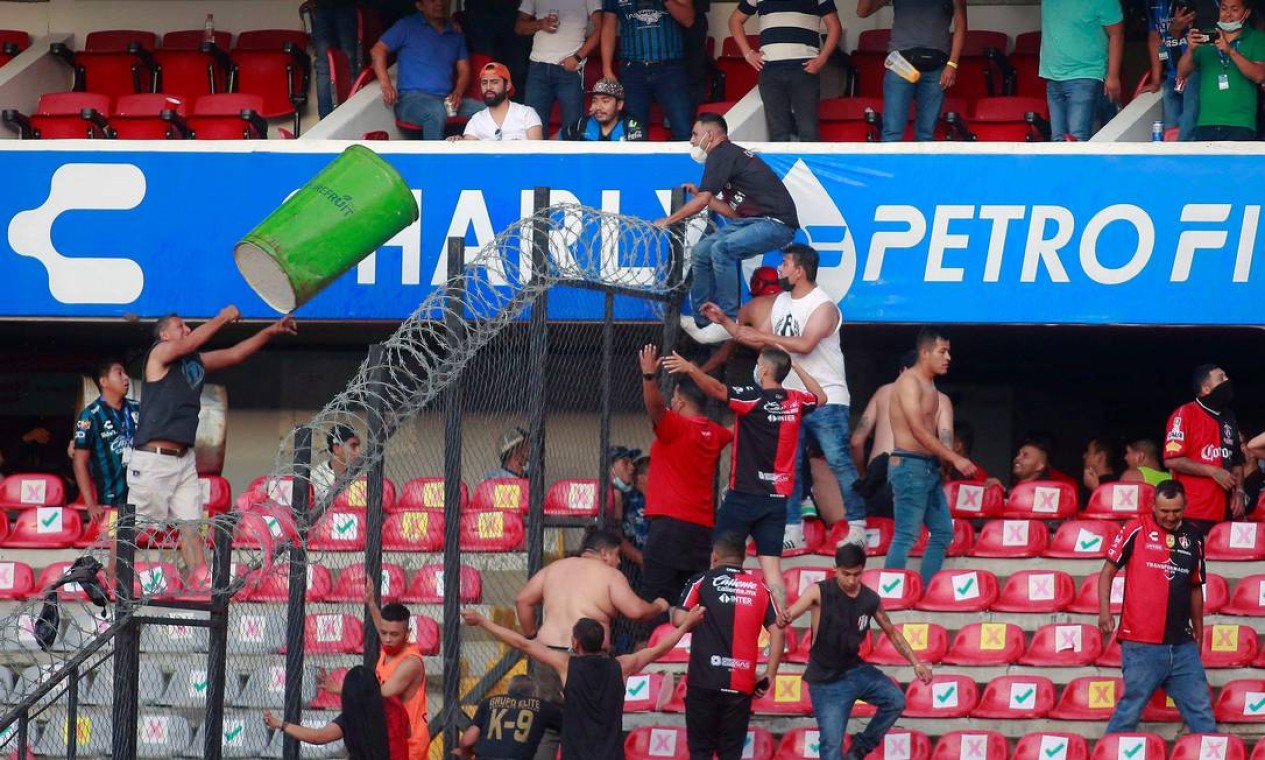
x=926, y=59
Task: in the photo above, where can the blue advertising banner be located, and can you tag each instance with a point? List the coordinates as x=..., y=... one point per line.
x=965, y=237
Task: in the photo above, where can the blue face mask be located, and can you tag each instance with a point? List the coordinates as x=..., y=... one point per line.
x=1230, y=26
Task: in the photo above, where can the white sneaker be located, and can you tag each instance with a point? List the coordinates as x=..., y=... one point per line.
x=793, y=538
x=856, y=535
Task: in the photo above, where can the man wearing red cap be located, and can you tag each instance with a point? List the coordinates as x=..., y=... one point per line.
x=503, y=119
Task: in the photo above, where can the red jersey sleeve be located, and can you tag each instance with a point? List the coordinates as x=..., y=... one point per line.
x=1122, y=546
x=807, y=401
x=1175, y=438
x=1198, y=578
x=724, y=436
x=690, y=597
x=743, y=398
x=668, y=427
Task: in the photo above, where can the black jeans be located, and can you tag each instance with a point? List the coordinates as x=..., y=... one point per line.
x=790, y=97
x=696, y=60
x=1214, y=134
x=675, y=551
x=716, y=723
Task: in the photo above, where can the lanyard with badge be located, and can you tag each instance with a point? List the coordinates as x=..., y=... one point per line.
x=1161, y=26
x=1223, y=79
x=129, y=432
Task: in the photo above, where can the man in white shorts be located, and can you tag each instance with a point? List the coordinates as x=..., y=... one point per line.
x=162, y=477
x=503, y=119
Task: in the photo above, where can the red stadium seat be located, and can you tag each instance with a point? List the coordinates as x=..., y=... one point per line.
x=1229, y=646
x=1111, y=655
x=1041, y=500
x=263, y=488
x=801, y=743
x=1131, y=746
x=356, y=495
x=50, y=574
x=351, y=583
x=1236, y=541
x=17, y=580
x=960, y=546
x=1241, y=701
x=184, y=67
x=228, y=116
x=1088, y=698
x=789, y=643
x=574, y=498
x=339, y=530
x=947, y=696
x=1057, y=645
x=1086, y=601
x=719, y=107
x=272, y=584
x=427, y=493
x=495, y=531
x=1036, y=591
x=45, y=528
x=1208, y=747
x=656, y=743
x=217, y=494
x=1119, y=501
x=676, y=702
x=972, y=500
x=1216, y=593
x=508, y=494
x=31, y=489
x=333, y=633
x=987, y=644
x=678, y=653
x=975, y=745
x=866, y=62
x=139, y=117
x=729, y=46
x=265, y=526
x=12, y=43
x=740, y=78
x=1082, y=539
x=643, y=691
x=1025, y=697
x=156, y=580
x=1248, y=597
x=112, y=63
x=427, y=585
x=787, y=695
x=901, y=743
x=850, y=119
x=929, y=640
x=800, y=579
x=814, y=540
x=878, y=535
x=340, y=79
x=1026, y=61
x=978, y=75
x=1009, y=119
x=420, y=531
x=899, y=589
x=1011, y=539
x=424, y=632
x=1028, y=43
x=1258, y=752
x=273, y=64
x=959, y=591
x=1048, y=745
x=799, y=652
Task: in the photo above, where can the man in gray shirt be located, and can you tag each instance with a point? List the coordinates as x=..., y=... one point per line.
x=930, y=35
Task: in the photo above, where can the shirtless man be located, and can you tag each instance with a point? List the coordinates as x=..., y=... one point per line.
x=588, y=586
x=754, y=313
x=876, y=420
x=914, y=465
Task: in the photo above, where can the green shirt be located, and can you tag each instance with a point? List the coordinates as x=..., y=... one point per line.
x=1073, y=40
x=1236, y=106
x=1153, y=476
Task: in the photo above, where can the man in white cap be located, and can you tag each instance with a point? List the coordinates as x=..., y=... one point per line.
x=606, y=121
x=513, y=455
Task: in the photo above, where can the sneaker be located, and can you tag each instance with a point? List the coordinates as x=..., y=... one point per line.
x=856, y=535
x=793, y=538
x=808, y=507
x=712, y=333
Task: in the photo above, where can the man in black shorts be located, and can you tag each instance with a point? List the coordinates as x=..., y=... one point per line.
x=766, y=435
x=509, y=726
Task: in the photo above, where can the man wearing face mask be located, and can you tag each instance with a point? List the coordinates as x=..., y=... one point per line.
x=767, y=221
x=1202, y=451
x=503, y=119
x=1231, y=68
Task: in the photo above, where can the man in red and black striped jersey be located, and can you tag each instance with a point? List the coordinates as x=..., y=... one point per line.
x=1161, y=626
x=1202, y=450
x=762, y=475
x=723, y=653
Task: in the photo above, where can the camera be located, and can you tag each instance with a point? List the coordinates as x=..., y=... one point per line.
x=1206, y=35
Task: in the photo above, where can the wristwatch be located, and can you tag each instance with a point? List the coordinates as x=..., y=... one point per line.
x=647, y=375
x=578, y=59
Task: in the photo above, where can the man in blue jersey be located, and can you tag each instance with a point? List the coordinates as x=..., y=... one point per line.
x=103, y=440
x=651, y=40
x=606, y=121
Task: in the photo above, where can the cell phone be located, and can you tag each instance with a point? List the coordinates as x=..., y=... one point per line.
x=762, y=684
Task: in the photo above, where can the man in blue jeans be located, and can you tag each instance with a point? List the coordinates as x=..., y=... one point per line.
x=836, y=675
x=334, y=25
x=651, y=37
x=1162, y=622
x=930, y=35
x=766, y=220
x=1082, y=44
x=564, y=33
x=913, y=468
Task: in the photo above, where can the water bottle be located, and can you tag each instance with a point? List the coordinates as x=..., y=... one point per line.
x=208, y=34
x=1157, y=131
x=902, y=67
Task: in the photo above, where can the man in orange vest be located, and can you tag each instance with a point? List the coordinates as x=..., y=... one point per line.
x=400, y=669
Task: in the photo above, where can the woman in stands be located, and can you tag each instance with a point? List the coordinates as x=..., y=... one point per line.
x=371, y=727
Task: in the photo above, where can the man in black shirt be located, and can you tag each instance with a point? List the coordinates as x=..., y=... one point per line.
x=509, y=726
x=724, y=650
x=842, y=609
x=767, y=221
x=593, y=681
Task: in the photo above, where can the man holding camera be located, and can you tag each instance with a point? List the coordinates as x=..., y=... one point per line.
x=1230, y=61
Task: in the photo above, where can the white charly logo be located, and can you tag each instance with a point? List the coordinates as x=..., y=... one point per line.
x=82, y=187
x=825, y=229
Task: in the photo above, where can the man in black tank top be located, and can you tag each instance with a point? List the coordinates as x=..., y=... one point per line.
x=593, y=681
x=162, y=477
x=842, y=609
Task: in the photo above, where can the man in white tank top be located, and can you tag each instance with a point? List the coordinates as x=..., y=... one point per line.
x=805, y=321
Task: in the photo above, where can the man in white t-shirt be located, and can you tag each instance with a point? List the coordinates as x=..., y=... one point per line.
x=503, y=119
x=564, y=33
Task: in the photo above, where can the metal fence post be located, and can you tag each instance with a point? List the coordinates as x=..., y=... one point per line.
x=538, y=356
x=676, y=278
x=454, y=312
x=217, y=635
x=127, y=646
x=604, y=450
x=297, y=613
x=373, y=496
